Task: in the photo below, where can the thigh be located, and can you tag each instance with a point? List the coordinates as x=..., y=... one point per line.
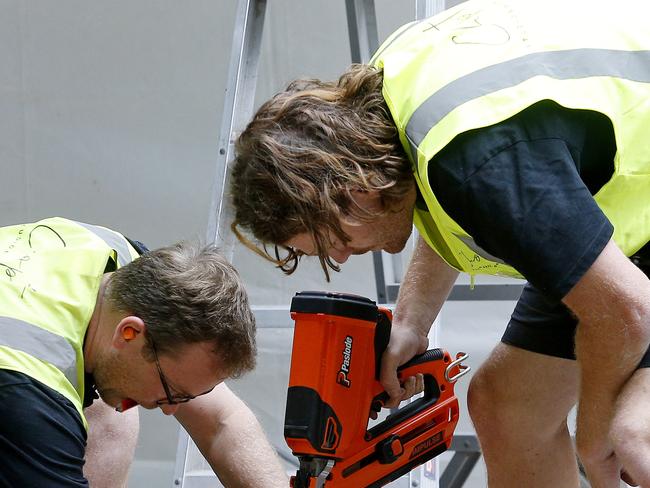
x=42, y=437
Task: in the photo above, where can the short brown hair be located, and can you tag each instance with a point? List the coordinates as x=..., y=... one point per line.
x=188, y=294
x=302, y=154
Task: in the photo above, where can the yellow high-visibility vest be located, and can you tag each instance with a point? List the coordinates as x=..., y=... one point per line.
x=50, y=273
x=484, y=61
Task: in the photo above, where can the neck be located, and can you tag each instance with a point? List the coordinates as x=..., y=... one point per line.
x=94, y=333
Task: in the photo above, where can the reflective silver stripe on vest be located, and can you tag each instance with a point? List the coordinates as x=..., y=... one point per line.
x=41, y=344
x=114, y=241
x=478, y=250
x=563, y=65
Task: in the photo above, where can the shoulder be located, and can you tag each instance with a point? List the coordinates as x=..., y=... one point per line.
x=545, y=120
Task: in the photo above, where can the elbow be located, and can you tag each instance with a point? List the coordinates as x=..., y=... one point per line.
x=637, y=323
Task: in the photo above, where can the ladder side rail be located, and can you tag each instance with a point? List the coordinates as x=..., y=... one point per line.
x=362, y=29
x=238, y=108
x=427, y=8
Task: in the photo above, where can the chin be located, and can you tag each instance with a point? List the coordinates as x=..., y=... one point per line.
x=111, y=402
x=396, y=247
x=108, y=399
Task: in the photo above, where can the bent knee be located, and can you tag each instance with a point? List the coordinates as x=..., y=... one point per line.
x=628, y=433
x=496, y=402
x=486, y=402
x=485, y=393
x=630, y=427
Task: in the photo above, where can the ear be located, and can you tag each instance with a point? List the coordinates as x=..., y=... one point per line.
x=129, y=329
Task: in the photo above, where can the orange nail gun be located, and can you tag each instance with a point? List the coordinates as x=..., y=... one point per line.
x=334, y=384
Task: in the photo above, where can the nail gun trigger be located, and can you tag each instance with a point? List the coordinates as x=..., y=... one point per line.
x=377, y=404
x=379, y=401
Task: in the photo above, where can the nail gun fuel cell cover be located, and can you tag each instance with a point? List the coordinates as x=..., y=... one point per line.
x=308, y=417
x=341, y=304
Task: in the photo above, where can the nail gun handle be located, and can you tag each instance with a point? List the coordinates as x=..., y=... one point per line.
x=425, y=357
x=431, y=355
x=432, y=365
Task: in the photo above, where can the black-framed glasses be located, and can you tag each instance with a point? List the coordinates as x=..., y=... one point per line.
x=171, y=399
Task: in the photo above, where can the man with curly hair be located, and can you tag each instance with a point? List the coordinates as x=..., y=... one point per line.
x=513, y=135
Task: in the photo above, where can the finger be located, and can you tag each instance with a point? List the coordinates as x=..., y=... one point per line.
x=394, y=402
x=419, y=383
x=409, y=387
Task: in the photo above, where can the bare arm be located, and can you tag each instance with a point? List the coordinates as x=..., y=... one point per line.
x=426, y=285
x=231, y=439
x=112, y=438
x=612, y=303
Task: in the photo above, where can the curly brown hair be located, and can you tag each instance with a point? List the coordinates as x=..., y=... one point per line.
x=304, y=152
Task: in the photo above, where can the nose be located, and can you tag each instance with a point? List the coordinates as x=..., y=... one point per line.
x=169, y=409
x=340, y=255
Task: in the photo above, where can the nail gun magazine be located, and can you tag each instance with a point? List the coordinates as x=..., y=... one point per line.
x=334, y=386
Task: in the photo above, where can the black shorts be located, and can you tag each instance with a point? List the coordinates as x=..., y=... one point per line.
x=543, y=325
x=42, y=437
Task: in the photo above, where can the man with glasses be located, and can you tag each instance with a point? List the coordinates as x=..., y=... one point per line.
x=83, y=316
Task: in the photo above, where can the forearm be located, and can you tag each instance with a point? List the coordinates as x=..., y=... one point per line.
x=242, y=456
x=112, y=438
x=424, y=289
x=232, y=441
x=608, y=354
x=607, y=357
x=612, y=303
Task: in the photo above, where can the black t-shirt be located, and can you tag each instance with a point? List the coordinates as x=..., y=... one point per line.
x=523, y=190
x=42, y=437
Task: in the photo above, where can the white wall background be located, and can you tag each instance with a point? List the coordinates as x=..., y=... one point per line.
x=110, y=113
